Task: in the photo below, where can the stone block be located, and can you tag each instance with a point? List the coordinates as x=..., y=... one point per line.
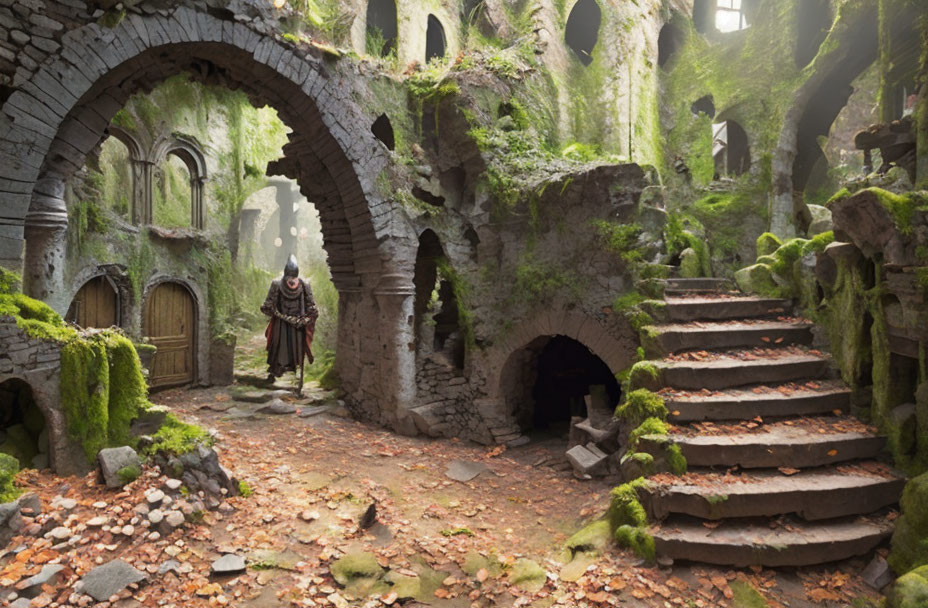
x=586, y=461
x=113, y=460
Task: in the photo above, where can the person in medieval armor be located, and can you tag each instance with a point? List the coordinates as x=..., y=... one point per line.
x=293, y=314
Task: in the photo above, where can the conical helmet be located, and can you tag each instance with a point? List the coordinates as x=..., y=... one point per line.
x=291, y=269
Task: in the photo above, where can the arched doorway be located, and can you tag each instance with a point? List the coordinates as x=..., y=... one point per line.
x=582, y=30
x=549, y=381
x=96, y=304
x=381, y=27
x=170, y=325
x=23, y=432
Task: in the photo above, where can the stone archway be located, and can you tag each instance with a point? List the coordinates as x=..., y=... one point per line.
x=62, y=110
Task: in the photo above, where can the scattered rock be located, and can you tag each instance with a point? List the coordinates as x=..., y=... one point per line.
x=278, y=407
x=527, y=575
x=114, y=460
x=877, y=574
x=588, y=459
x=97, y=522
x=156, y=516
x=369, y=518
x=173, y=484
x=356, y=568
x=463, y=470
x=60, y=533
x=32, y=587
x=169, y=566
x=107, y=580
x=155, y=497
x=174, y=519
x=228, y=564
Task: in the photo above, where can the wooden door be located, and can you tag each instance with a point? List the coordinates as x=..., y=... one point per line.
x=95, y=305
x=170, y=325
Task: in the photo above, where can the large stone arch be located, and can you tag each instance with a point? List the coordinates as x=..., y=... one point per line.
x=60, y=112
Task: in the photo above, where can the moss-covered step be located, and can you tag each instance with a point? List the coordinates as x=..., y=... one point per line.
x=739, y=369
x=782, y=446
x=722, y=308
x=764, y=401
x=814, y=494
x=659, y=340
x=795, y=542
x=676, y=287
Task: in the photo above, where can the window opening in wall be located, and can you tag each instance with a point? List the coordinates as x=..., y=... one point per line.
x=172, y=194
x=730, y=149
x=23, y=432
x=582, y=31
x=383, y=130
x=381, y=27
x=668, y=43
x=435, y=43
x=729, y=16
x=115, y=167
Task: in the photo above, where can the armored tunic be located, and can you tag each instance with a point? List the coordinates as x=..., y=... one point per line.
x=288, y=342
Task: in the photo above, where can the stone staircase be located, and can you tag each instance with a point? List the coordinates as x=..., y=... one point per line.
x=778, y=473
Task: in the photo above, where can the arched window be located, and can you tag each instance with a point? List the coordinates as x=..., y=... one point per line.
x=177, y=199
x=730, y=149
x=381, y=27
x=383, y=130
x=116, y=170
x=435, y=43
x=582, y=29
x=668, y=43
x=729, y=16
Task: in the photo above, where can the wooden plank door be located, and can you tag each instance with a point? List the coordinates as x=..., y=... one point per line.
x=95, y=305
x=170, y=325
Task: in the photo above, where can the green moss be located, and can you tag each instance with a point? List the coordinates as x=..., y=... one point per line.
x=457, y=532
x=10, y=282
x=637, y=539
x=462, y=295
x=745, y=595
x=818, y=243
x=910, y=537
x=644, y=374
x=767, y=243
x=528, y=575
x=902, y=208
x=112, y=18
x=650, y=426
x=625, y=507
x=129, y=474
x=9, y=467
x=758, y=280
x=840, y=195
x=358, y=572
x=640, y=405
x=910, y=590
x=594, y=538
x=177, y=437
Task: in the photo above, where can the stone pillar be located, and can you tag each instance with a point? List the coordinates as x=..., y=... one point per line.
x=46, y=244
x=285, y=199
x=142, y=172
x=921, y=123
x=395, y=296
x=197, y=206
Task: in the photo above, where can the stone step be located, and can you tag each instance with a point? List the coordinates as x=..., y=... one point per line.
x=732, y=370
x=813, y=494
x=721, y=308
x=767, y=402
x=742, y=543
x=676, y=337
x=781, y=446
x=680, y=286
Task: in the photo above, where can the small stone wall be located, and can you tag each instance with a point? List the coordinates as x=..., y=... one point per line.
x=38, y=364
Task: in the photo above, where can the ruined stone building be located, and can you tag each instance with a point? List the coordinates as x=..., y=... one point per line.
x=506, y=190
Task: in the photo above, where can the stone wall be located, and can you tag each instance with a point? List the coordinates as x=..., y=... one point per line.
x=38, y=364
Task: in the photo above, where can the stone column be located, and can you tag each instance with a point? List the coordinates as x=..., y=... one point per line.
x=46, y=244
x=197, y=207
x=142, y=171
x=921, y=126
x=395, y=296
x=285, y=199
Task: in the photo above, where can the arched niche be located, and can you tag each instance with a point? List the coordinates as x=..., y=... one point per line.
x=669, y=42
x=582, y=31
x=813, y=19
x=24, y=432
x=381, y=28
x=730, y=149
x=188, y=152
x=704, y=105
x=436, y=44
x=548, y=382
x=383, y=131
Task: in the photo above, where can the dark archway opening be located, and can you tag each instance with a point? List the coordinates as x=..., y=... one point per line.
x=381, y=27
x=435, y=307
x=668, y=43
x=731, y=149
x=704, y=105
x=435, y=42
x=23, y=432
x=550, y=381
x=472, y=10
x=813, y=19
x=582, y=30
x=383, y=130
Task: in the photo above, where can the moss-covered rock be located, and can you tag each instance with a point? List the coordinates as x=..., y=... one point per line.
x=757, y=279
x=359, y=572
x=910, y=590
x=594, y=538
x=637, y=539
x=9, y=467
x=910, y=538
x=640, y=405
x=527, y=575
x=745, y=595
x=644, y=374
x=767, y=243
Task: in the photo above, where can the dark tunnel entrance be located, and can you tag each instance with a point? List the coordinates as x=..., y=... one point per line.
x=550, y=381
x=23, y=432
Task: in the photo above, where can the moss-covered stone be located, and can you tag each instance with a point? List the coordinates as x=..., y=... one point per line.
x=745, y=595
x=640, y=405
x=910, y=538
x=910, y=590
x=177, y=437
x=767, y=243
x=644, y=374
x=527, y=575
x=594, y=538
x=9, y=467
x=637, y=539
x=758, y=280
x=359, y=572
